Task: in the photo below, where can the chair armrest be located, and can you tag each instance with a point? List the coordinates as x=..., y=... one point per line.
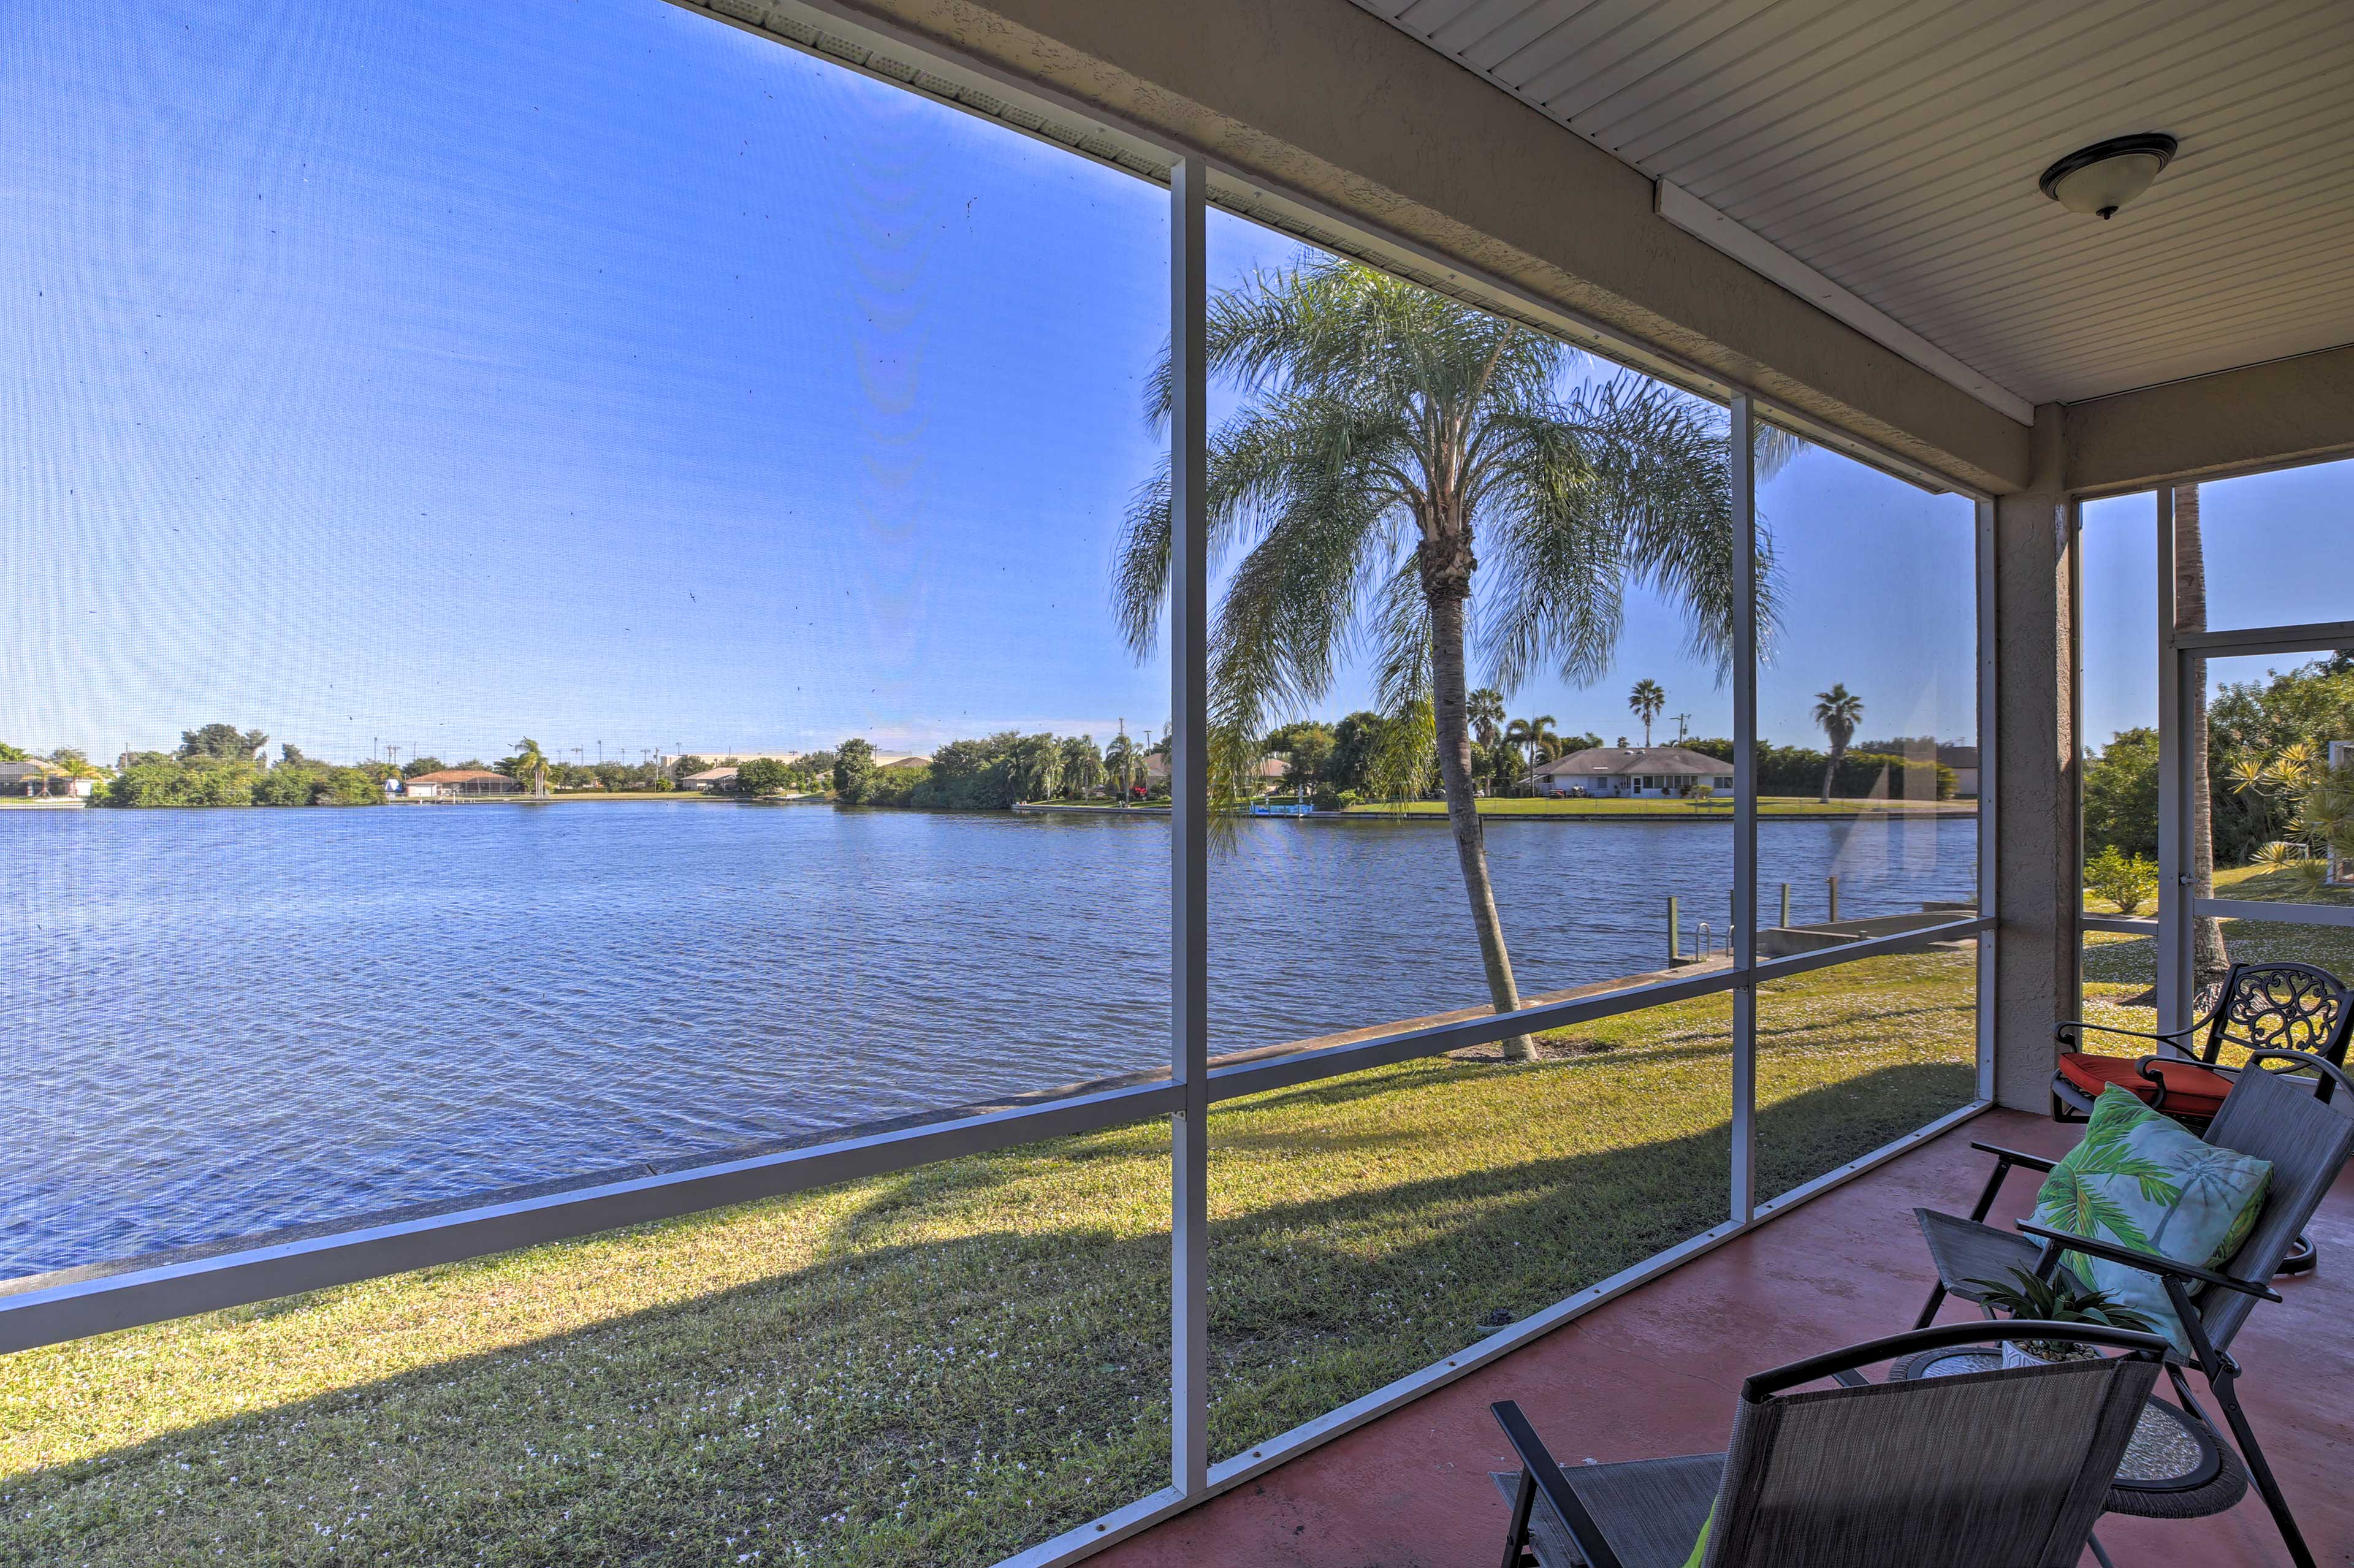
x=2060, y=1032
x=1540, y=1466
x=2148, y=1262
x=2004, y=1158
x=2016, y=1156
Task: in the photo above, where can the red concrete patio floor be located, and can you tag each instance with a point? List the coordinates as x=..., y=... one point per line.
x=1655, y=1373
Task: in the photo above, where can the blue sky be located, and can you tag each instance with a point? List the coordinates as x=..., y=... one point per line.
x=2276, y=548
x=584, y=369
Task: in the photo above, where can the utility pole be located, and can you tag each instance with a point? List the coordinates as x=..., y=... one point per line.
x=1679, y=719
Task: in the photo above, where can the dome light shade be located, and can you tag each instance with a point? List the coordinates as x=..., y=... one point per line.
x=2105, y=176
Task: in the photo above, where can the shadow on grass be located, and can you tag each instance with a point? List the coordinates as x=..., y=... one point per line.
x=941, y=1400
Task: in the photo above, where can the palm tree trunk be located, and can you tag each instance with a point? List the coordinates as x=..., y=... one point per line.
x=1454, y=736
x=1830, y=767
x=2209, y=961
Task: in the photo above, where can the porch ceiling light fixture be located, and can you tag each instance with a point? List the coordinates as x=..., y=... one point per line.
x=2105, y=176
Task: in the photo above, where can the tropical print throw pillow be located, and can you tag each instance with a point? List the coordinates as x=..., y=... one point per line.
x=2142, y=1180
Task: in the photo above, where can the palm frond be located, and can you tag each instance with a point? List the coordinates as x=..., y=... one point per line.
x=1400, y=635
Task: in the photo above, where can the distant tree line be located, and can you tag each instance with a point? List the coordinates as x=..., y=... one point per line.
x=2259, y=735
x=1800, y=770
x=992, y=773
x=221, y=765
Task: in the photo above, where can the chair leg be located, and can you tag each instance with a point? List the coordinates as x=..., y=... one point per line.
x=1929, y=1312
x=2260, y=1470
x=2302, y=1257
x=2100, y=1552
x=1519, y=1536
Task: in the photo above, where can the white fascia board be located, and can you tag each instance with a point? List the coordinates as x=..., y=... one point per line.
x=1762, y=256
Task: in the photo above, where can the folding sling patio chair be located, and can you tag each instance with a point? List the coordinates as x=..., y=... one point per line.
x=2303, y=1129
x=1993, y=1469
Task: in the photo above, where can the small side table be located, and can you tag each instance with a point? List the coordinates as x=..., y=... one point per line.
x=2173, y=1469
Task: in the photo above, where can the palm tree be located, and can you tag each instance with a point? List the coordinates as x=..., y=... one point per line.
x=1034, y=767
x=1120, y=762
x=2209, y=960
x=1838, y=710
x=1646, y=701
x=1383, y=426
x=1083, y=767
x=1534, y=740
x=529, y=759
x=1484, y=710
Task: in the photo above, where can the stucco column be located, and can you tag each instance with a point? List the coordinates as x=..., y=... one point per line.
x=2035, y=780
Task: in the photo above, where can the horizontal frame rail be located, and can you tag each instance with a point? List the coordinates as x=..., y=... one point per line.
x=97, y=1306
x=2281, y=914
x=1331, y=1060
x=2314, y=636
x=2124, y=924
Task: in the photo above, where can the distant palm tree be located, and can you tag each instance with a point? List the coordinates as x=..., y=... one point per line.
x=1535, y=741
x=1384, y=426
x=528, y=759
x=1034, y=767
x=1485, y=709
x=1646, y=701
x=1083, y=767
x=1838, y=710
x=1121, y=763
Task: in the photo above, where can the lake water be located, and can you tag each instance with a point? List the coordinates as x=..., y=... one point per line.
x=214, y=1022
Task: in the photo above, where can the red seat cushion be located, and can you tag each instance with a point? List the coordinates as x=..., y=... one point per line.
x=2190, y=1089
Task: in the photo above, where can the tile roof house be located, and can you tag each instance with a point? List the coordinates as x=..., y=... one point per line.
x=450, y=783
x=1620, y=772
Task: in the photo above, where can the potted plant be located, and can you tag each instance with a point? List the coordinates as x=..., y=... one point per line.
x=2053, y=1301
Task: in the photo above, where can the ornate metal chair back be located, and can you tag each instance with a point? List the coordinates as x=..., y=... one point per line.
x=2276, y=1007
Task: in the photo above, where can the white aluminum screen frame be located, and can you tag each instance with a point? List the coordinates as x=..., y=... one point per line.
x=2181, y=675
x=133, y=1295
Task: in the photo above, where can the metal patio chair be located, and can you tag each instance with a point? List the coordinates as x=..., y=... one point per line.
x=2306, y=1133
x=2275, y=1007
x=1994, y=1469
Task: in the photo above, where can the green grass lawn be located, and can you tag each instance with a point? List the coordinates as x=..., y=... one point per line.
x=942, y=1366
x=2118, y=967
x=1720, y=808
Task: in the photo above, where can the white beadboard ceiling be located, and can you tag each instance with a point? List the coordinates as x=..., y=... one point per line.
x=1893, y=145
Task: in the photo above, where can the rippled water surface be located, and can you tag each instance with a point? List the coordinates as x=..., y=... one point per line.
x=219, y=1021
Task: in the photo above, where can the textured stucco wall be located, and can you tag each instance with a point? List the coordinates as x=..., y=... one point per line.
x=2035, y=788
x=2283, y=411
x=1330, y=101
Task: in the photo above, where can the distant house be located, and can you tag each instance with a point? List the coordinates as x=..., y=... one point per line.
x=40, y=778
x=1963, y=761
x=903, y=762
x=459, y=783
x=1624, y=772
x=710, y=779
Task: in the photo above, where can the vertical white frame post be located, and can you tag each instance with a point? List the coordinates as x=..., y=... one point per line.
x=1742, y=462
x=1990, y=719
x=2174, y=890
x=1189, y=809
